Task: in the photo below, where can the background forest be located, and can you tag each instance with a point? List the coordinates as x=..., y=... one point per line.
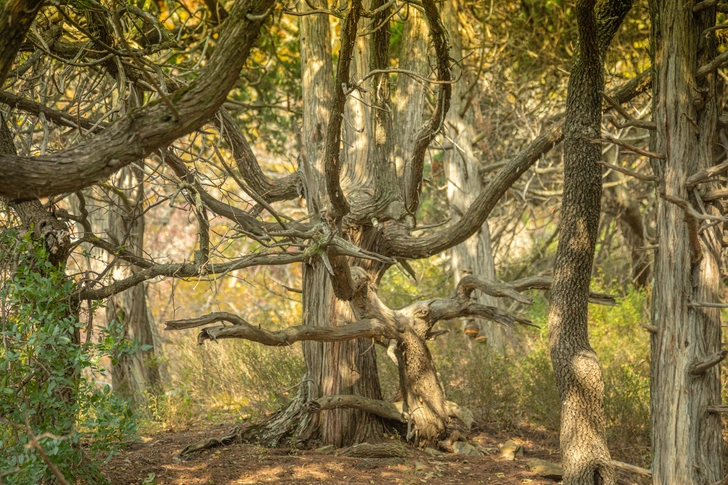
x=267, y=207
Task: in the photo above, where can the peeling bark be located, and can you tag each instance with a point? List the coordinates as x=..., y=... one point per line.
x=686, y=438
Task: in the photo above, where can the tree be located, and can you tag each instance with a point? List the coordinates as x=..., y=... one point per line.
x=362, y=210
x=686, y=343
x=578, y=376
x=464, y=183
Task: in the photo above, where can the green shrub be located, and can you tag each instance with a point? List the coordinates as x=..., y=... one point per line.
x=44, y=392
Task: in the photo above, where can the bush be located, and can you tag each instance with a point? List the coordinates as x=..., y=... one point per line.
x=45, y=396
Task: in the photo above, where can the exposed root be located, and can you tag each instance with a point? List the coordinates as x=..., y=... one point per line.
x=209, y=443
x=379, y=450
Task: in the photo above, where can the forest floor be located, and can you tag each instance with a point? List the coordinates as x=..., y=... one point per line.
x=153, y=461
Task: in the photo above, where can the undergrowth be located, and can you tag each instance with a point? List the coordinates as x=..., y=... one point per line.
x=53, y=418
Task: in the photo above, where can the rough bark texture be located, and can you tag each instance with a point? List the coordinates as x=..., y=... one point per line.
x=474, y=255
x=15, y=19
x=584, y=449
x=686, y=437
x=409, y=100
x=136, y=373
x=340, y=367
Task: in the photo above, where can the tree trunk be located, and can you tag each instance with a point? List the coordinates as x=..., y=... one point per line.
x=631, y=226
x=422, y=390
x=339, y=367
x=127, y=314
x=686, y=438
x=584, y=449
x=475, y=255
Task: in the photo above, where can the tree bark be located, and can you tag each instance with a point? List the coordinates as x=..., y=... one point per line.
x=16, y=16
x=133, y=374
x=686, y=438
x=339, y=367
x=584, y=449
x=474, y=255
x=146, y=129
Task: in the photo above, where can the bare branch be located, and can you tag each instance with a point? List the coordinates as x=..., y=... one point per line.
x=271, y=190
x=384, y=409
x=631, y=120
x=469, y=283
x=56, y=116
x=704, y=175
x=16, y=16
x=338, y=104
x=699, y=368
x=143, y=130
x=413, y=170
x=631, y=173
x=620, y=465
x=370, y=328
x=188, y=270
x=626, y=146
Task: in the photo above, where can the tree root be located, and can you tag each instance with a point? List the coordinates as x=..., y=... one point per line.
x=379, y=450
x=210, y=443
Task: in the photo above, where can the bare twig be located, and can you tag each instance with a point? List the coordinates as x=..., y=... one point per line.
x=626, y=146
x=631, y=173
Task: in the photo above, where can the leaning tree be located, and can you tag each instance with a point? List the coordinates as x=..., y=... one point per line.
x=362, y=200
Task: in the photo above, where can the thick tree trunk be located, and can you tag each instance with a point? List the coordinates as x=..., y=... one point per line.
x=340, y=367
x=127, y=313
x=584, y=449
x=422, y=390
x=475, y=255
x=686, y=438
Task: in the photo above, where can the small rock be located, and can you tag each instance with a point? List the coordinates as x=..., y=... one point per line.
x=325, y=450
x=419, y=466
x=432, y=452
x=545, y=468
x=465, y=448
x=510, y=450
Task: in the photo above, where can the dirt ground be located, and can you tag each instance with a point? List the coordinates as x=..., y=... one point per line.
x=153, y=461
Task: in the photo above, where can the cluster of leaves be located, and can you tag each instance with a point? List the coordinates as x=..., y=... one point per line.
x=48, y=396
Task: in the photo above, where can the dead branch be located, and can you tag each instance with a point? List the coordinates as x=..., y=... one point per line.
x=713, y=65
x=271, y=190
x=544, y=283
x=187, y=270
x=58, y=117
x=631, y=468
x=369, y=328
x=631, y=173
x=384, y=409
x=631, y=120
x=708, y=173
x=626, y=146
x=699, y=368
x=469, y=283
x=716, y=195
x=691, y=218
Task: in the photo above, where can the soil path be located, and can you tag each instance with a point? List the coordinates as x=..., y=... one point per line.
x=153, y=459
